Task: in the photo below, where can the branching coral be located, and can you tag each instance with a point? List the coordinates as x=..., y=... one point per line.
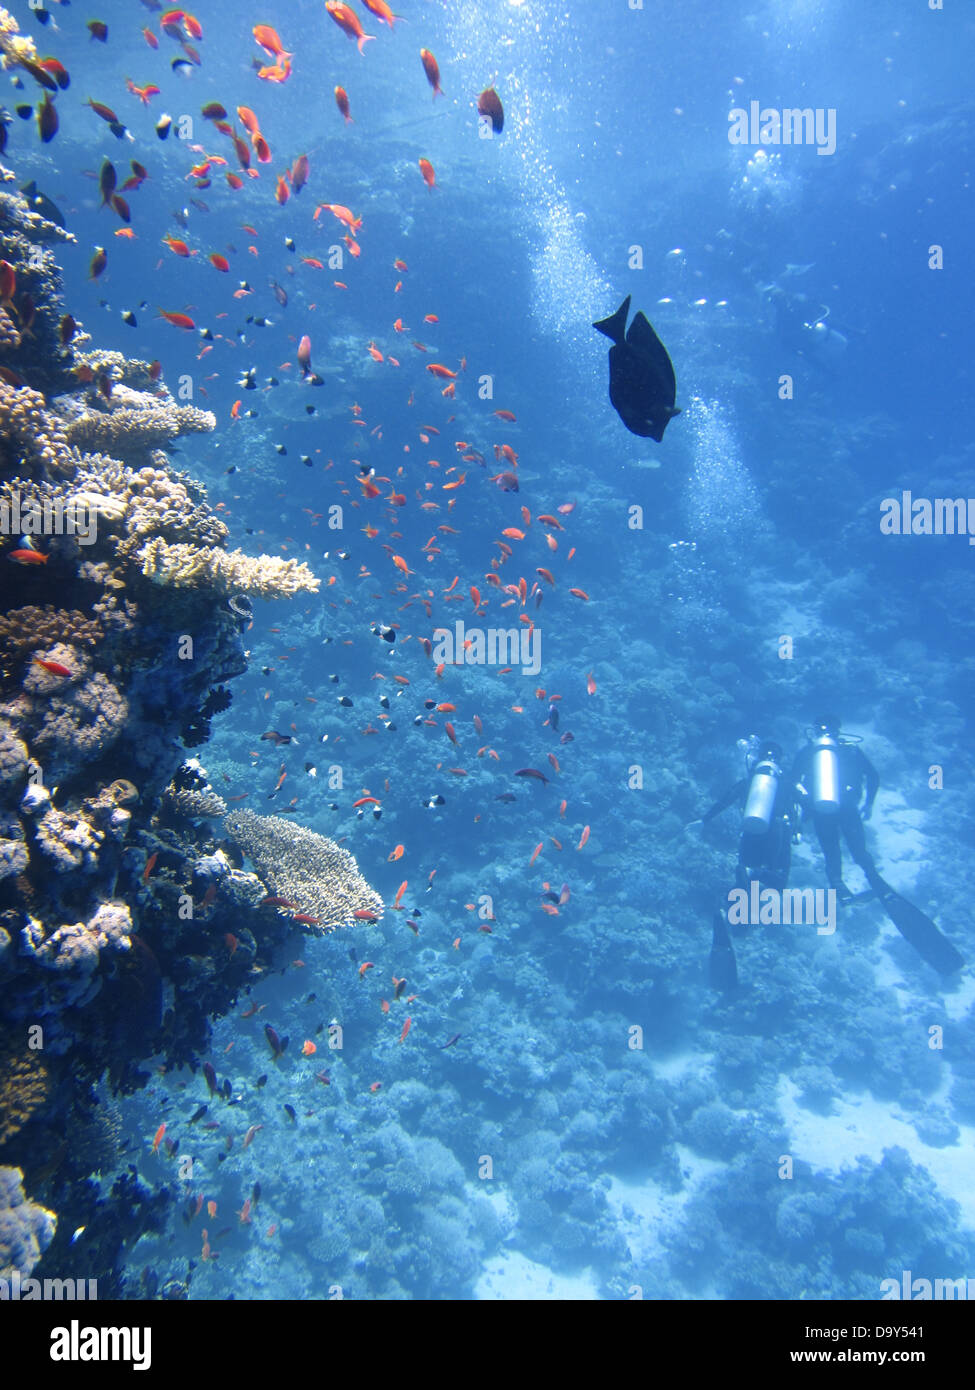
x=226, y=571
x=24, y=1086
x=307, y=869
x=30, y=629
x=26, y=424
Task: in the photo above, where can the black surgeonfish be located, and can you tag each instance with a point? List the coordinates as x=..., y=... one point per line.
x=641, y=377
x=42, y=204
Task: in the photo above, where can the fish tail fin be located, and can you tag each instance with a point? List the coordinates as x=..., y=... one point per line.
x=362, y=39
x=615, y=326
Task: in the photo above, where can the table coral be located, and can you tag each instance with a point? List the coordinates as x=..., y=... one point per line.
x=305, y=868
x=229, y=572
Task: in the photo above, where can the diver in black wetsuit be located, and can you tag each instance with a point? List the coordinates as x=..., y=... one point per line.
x=832, y=775
x=770, y=817
x=769, y=820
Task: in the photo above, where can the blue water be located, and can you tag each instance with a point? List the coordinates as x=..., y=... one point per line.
x=607, y=1124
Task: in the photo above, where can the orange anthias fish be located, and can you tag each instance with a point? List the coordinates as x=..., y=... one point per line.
x=143, y=93
x=426, y=169
x=299, y=173
x=432, y=70
x=348, y=22
x=342, y=102
x=268, y=39
x=158, y=1137
x=53, y=667
x=177, y=320
x=342, y=213
x=382, y=11
x=248, y=120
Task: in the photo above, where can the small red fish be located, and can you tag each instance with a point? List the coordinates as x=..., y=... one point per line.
x=432, y=70
x=348, y=22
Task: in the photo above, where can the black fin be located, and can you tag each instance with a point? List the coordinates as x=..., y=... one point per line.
x=615, y=326
x=722, y=966
x=923, y=934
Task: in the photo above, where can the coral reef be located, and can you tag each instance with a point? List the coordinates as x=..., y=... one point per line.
x=134, y=420
x=26, y=1229
x=24, y=1087
x=307, y=869
x=230, y=572
x=115, y=900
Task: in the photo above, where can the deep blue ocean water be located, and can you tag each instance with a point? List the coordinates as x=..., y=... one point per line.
x=607, y=1123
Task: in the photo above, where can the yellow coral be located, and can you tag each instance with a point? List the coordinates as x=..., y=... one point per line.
x=227, y=571
x=24, y=1084
x=24, y=421
x=14, y=45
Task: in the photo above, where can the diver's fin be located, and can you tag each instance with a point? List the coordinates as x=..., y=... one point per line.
x=917, y=928
x=722, y=966
x=615, y=326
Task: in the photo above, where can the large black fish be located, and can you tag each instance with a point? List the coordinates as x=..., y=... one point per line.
x=641, y=377
x=42, y=204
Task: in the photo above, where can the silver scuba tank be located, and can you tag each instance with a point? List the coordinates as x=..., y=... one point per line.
x=824, y=782
x=760, y=801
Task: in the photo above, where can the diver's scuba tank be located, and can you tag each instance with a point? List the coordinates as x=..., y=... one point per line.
x=824, y=781
x=760, y=801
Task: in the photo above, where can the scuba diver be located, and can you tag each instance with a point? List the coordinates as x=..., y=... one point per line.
x=768, y=817
x=769, y=822
x=802, y=324
x=832, y=774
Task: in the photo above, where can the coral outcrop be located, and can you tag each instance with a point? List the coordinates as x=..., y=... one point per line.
x=116, y=901
x=307, y=869
x=26, y=1229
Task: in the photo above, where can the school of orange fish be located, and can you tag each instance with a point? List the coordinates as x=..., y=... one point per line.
x=438, y=475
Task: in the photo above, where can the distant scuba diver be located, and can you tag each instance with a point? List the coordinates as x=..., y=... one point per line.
x=802, y=324
x=642, y=387
x=833, y=773
x=769, y=821
x=769, y=816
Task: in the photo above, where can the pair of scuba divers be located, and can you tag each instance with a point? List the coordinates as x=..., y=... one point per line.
x=833, y=782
